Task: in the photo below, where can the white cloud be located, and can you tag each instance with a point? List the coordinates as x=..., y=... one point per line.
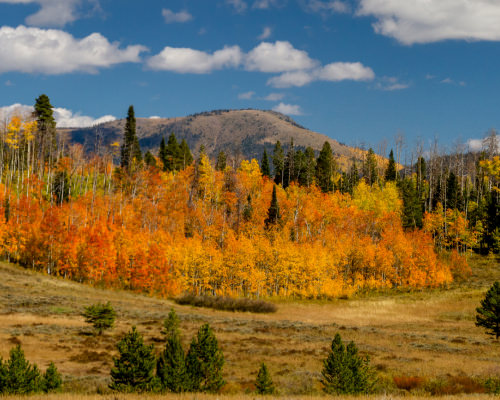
x=266, y=33
x=65, y=118
x=240, y=6
x=333, y=72
x=274, y=97
x=475, y=144
x=288, y=109
x=448, y=81
x=278, y=57
x=171, y=17
x=390, y=84
x=154, y=117
x=265, y=4
x=324, y=7
x=9, y=83
x=54, y=13
x=186, y=60
x=52, y=52
x=246, y=95
x=426, y=21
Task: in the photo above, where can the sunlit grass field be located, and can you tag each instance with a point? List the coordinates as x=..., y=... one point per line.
x=427, y=335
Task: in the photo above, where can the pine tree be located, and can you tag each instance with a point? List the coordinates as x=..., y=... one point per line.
x=266, y=170
x=370, y=167
x=162, y=154
x=173, y=158
x=20, y=377
x=52, y=380
x=452, y=190
x=278, y=163
x=391, y=172
x=134, y=368
x=221, y=161
x=46, y=143
x=171, y=366
x=264, y=383
x=488, y=315
x=273, y=213
x=204, y=362
x=412, y=207
x=149, y=159
x=344, y=371
x=101, y=316
x=130, y=151
x=289, y=166
x=186, y=156
x=325, y=168
x=309, y=168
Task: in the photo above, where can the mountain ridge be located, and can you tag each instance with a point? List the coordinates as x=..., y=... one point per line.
x=239, y=133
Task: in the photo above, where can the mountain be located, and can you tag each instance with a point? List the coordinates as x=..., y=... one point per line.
x=239, y=133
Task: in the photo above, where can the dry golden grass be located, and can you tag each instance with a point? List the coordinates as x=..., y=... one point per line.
x=200, y=396
x=428, y=334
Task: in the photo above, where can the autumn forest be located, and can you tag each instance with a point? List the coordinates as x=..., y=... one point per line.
x=292, y=224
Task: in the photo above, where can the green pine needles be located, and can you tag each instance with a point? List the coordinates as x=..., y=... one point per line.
x=200, y=370
x=101, y=316
x=264, y=384
x=488, y=315
x=134, y=368
x=345, y=371
x=18, y=376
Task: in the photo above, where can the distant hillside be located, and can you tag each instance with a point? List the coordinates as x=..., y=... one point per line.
x=240, y=133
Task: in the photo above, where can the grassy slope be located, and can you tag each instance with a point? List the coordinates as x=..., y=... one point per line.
x=429, y=334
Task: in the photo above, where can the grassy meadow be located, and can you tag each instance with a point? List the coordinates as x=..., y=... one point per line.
x=423, y=342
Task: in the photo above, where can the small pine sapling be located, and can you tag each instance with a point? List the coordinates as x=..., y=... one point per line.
x=264, y=383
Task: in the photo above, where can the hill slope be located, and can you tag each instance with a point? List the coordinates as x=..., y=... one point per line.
x=242, y=133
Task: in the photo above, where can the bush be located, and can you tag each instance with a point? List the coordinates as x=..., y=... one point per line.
x=408, y=382
x=134, y=368
x=344, y=371
x=488, y=315
x=101, y=316
x=52, y=380
x=227, y=303
x=454, y=385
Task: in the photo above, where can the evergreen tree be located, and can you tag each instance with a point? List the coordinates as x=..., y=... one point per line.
x=325, y=168
x=220, y=165
x=344, y=371
x=370, y=167
x=162, y=153
x=289, y=166
x=46, y=143
x=278, y=163
x=173, y=156
x=186, y=156
x=204, y=362
x=130, y=150
x=171, y=366
x=60, y=186
x=488, y=315
x=52, y=380
x=101, y=316
x=300, y=164
x=273, y=213
x=149, y=159
x=19, y=376
x=391, y=172
x=353, y=177
x=307, y=177
x=421, y=169
x=266, y=169
x=412, y=207
x=264, y=383
x=134, y=368
x=452, y=191
x=248, y=209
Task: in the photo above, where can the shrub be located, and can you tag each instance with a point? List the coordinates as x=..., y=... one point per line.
x=454, y=385
x=408, y=382
x=344, y=371
x=227, y=303
x=134, y=368
x=101, y=316
x=52, y=380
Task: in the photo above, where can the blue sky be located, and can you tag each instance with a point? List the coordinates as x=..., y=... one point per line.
x=359, y=71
